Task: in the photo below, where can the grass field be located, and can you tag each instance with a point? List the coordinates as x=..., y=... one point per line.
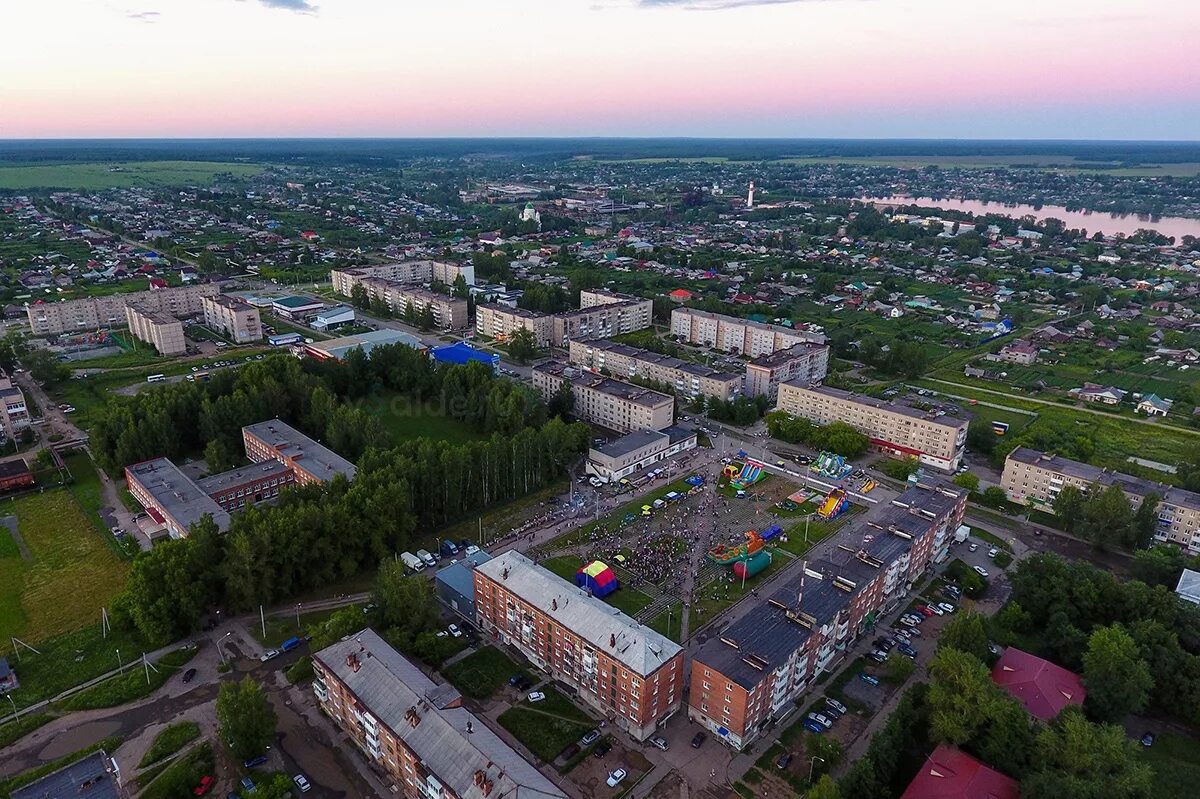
x=131, y=685
x=170, y=741
x=546, y=727
x=627, y=600
x=120, y=175
x=483, y=673
x=1176, y=763
x=71, y=574
x=404, y=420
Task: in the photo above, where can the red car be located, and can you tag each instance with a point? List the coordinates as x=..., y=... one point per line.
x=205, y=783
x=925, y=610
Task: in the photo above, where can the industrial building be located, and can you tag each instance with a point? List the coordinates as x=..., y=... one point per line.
x=295, y=307
x=933, y=438
x=806, y=362
x=635, y=451
x=339, y=348
x=625, y=670
x=93, y=313
x=1036, y=478
x=610, y=403
x=686, y=378
x=731, y=334
x=455, y=584
x=235, y=318
x=416, y=732
x=160, y=330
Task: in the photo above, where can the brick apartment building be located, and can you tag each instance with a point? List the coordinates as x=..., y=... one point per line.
x=415, y=731
x=237, y=319
x=757, y=668
x=686, y=378
x=93, y=313
x=934, y=439
x=282, y=455
x=161, y=330
x=628, y=672
x=610, y=403
x=1036, y=478
x=732, y=334
x=806, y=362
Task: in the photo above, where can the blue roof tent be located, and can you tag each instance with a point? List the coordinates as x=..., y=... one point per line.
x=461, y=353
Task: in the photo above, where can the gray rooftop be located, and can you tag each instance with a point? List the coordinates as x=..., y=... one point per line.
x=388, y=686
x=805, y=334
x=1189, y=586
x=607, y=385
x=894, y=406
x=1130, y=484
x=315, y=459
x=780, y=357
x=216, y=483
x=638, y=647
x=666, y=361
x=340, y=347
x=632, y=442
x=85, y=779
x=459, y=575
x=176, y=493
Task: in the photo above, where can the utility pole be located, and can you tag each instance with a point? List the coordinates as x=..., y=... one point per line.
x=263, y=620
x=812, y=765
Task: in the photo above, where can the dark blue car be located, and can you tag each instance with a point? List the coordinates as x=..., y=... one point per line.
x=255, y=761
x=813, y=726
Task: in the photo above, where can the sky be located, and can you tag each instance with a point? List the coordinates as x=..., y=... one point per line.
x=995, y=69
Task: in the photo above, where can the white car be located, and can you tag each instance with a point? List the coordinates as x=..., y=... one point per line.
x=471, y=549
x=615, y=778
x=973, y=547
x=982, y=572
x=302, y=783
x=946, y=606
x=937, y=609
x=536, y=696
x=993, y=552
x=270, y=654
x=453, y=630
x=821, y=719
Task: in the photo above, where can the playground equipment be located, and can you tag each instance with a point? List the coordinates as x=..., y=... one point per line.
x=752, y=566
x=725, y=554
x=835, y=502
x=831, y=465
x=867, y=486
x=750, y=472
x=597, y=578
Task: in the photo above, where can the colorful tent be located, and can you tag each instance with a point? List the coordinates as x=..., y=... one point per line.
x=597, y=578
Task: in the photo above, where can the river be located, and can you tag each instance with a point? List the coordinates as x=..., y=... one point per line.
x=1092, y=222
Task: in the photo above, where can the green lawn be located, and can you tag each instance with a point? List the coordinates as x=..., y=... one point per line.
x=11, y=731
x=88, y=492
x=546, y=727
x=581, y=534
x=722, y=593
x=404, y=420
x=170, y=741
x=72, y=575
x=481, y=674
x=282, y=627
x=818, y=530
x=1176, y=763
x=133, y=684
x=93, y=177
x=627, y=600
x=181, y=776
x=666, y=623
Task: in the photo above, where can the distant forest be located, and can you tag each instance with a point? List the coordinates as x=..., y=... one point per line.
x=382, y=152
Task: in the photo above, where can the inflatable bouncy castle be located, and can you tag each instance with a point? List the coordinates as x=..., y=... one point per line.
x=597, y=578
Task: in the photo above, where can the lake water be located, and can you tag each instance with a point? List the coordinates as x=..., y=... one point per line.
x=1092, y=222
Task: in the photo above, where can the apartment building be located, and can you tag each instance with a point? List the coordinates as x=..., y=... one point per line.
x=416, y=732
x=421, y=271
x=731, y=334
x=638, y=450
x=156, y=328
x=15, y=414
x=92, y=313
x=686, y=378
x=806, y=362
x=449, y=313
x=934, y=439
x=237, y=319
x=754, y=672
x=1036, y=478
x=613, y=404
x=628, y=672
x=601, y=314
x=282, y=456
x=500, y=322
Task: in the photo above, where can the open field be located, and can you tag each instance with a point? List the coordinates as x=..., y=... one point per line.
x=120, y=175
x=627, y=600
x=483, y=673
x=1176, y=763
x=546, y=727
x=404, y=419
x=71, y=573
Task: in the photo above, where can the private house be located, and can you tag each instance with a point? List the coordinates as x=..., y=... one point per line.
x=950, y=773
x=1093, y=392
x=1153, y=405
x=1043, y=688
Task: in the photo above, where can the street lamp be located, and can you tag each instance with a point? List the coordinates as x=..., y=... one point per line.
x=298, y=604
x=14, y=705
x=220, y=650
x=812, y=765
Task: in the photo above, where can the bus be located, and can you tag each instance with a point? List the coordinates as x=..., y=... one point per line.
x=156, y=378
x=198, y=377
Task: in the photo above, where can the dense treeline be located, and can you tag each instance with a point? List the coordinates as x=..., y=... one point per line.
x=319, y=534
x=837, y=437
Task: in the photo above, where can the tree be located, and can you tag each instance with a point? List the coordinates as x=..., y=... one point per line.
x=960, y=692
x=460, y=288
x=824, y=788
x=994, y=496
x=563, y=402
x=967, y=632
x=522, y=345
x=245, y=718
x=1007, y=741
x=217, y=456
x=1107, y=517
x=1145, y=521
x=359, y=297
x=1117, y=679
x=1068, y=507
x=1159, y=565
x=1076, y=759
x=898, y=668
x=403, y=602
x=46, y=367
x=967, y=480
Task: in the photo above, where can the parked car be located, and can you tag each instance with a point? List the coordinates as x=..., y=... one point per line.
x=993, y=552
x=471, y=549
x=946, y=606
x=907, y=651
x=925, y=611
x=254, y=761
x=909, y=621
x=1148, y=739
x=877, y=656
x=782, y=761
x=973, y=547
x=884, y=643
x=659, y=742
x=821, y=719
x=453, y=630
x=697, y=740
x=937, y=611
x=536, y=696
x=516, y=678
x=248, y=785
x=189, y=675
x=270, y=654
x=867, y=678
x=302, y=783
x=602, y=749
x=813, y=726
x=615, y=778
x=835, y=705
x=982, y=572
x=206, y=782
x=589, y=738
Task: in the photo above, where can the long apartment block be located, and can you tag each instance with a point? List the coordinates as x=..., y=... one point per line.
x=601, y=314
x=731, y=334
x=415, y=731
x=449, y=313
x=622, y=669
x=237, y=319
x=421, y=271
x=934, y=439
x=282, y=456
x=1036, y=478
x=93, y=313
x=686, y=378
x=614, y=404
x=500, y=322
x=807, y=362
x=756, y=669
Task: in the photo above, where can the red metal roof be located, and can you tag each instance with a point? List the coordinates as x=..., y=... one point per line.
x=950, y=773
x=1042, y=687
